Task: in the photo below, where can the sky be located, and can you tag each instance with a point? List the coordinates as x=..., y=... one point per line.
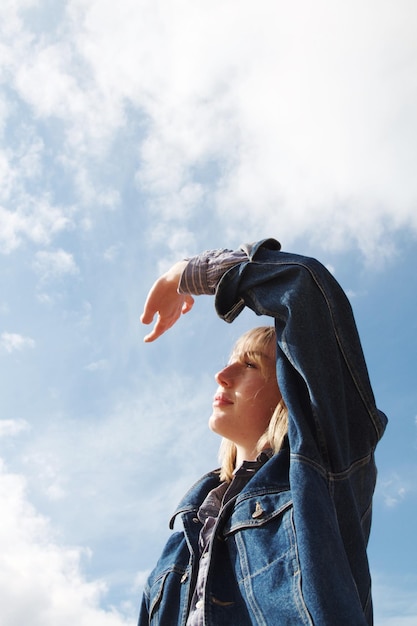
x=132, y=135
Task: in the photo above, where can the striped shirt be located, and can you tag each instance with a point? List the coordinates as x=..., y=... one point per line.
x=204, y=271
x=207, y=514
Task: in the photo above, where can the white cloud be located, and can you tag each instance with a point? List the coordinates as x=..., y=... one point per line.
x=92, y=477
x=49, y=67
x=45, y=221
x=25, y=213
x=54, y=264
x=394, y=489
x=49, y=475
x=351, y=294
x=112, y=252
x=11, y=342
x=96, y=366
x=47, y=575
x=45, y=298
x=10, y=428
x=69, y=92
x=141, y=578
x=310, y=125
x=36, y=219
x=307, y=131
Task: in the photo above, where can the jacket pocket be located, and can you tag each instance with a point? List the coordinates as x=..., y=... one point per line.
x=168, y=584
x=155, y=594
x=261, y=535
x=262, y=544
x=167, y=597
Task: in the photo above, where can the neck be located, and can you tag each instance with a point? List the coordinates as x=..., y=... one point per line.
x=245, y=454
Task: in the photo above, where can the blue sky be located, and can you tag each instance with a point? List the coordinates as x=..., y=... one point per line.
x=134, y=134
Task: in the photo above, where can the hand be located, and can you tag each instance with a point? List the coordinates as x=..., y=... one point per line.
x=165, y=301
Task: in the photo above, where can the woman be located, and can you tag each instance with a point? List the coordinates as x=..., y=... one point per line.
x=250, y=415
x=281, y=540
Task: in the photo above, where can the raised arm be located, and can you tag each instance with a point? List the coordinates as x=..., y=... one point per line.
x=170, y=296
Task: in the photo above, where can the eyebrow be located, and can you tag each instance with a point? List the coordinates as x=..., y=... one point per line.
x=248, y=353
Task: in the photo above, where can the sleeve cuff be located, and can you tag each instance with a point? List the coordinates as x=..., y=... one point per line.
x=203, y=272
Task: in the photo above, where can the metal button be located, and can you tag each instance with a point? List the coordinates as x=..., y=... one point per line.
x=258, y=512
x=184, y=577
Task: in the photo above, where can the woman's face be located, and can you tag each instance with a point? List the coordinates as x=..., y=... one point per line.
x=246, y=397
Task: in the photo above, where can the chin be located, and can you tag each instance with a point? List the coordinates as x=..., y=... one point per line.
x=215, y=426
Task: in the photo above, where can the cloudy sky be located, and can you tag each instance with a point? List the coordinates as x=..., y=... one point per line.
x=139, y=132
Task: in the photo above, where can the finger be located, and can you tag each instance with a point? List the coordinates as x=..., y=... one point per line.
x=148, y=313
x=188, y=304
x=146, y=318
x=151, y=337
x=151, y=305
x=154, y=334
x=160, y=327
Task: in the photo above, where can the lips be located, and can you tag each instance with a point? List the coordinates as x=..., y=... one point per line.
x=220, y=399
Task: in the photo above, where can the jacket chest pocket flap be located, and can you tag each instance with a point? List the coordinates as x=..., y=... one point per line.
x=256, y=510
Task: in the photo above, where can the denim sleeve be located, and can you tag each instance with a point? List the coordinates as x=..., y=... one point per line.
x=320, y=364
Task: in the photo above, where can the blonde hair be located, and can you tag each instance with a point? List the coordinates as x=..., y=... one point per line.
x=258, y=344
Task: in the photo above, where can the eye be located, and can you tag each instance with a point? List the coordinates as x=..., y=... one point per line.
x=250, y=364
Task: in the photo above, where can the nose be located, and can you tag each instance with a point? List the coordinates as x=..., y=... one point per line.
x=225, y=377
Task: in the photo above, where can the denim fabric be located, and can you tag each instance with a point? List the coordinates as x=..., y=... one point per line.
x=291, y=548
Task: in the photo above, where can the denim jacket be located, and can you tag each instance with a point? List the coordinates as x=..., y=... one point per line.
x=290, y=549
